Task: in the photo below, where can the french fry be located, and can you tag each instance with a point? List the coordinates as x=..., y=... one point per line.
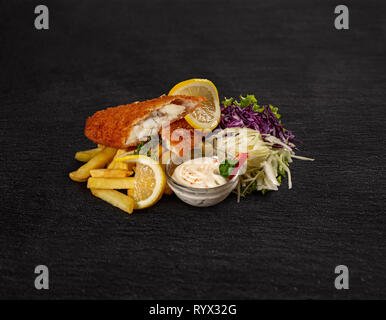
x=110, y=173
x=115, y=198
x=118, y=164
x=130, y=192
x=110, y=183
x=98, y=161
x=86, y=155
x=75, y=177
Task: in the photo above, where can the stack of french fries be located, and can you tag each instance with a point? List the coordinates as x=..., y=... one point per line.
x=105, y=176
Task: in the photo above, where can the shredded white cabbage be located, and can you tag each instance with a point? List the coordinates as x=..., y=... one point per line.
x=266, y=162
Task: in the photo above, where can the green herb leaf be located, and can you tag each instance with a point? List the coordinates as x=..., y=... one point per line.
x=225, y=167
x=227, y=102
x=139, y=147
x=247, y=101
x=151, y=147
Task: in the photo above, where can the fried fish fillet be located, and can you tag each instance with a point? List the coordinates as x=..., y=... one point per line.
x=180, y=137
x=126, y=125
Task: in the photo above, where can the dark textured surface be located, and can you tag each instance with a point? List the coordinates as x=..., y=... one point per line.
x=329, y=85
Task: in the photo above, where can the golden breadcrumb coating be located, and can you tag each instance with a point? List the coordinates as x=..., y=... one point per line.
x=111, y=127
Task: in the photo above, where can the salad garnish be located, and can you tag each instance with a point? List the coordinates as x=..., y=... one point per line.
x=246, y=113
x=268, y=159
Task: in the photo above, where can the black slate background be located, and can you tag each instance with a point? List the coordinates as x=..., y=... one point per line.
x=329, y=85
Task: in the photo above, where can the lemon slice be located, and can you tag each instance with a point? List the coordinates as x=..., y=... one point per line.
x=207, y=116
x=149, y=180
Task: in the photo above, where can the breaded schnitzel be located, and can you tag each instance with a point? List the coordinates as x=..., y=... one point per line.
x=127, y=125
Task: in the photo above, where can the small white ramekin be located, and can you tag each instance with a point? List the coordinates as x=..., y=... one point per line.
x=200, y=197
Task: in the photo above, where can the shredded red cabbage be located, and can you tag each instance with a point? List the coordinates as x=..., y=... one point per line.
x=264, y=121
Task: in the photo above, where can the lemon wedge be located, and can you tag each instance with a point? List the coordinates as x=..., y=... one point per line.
x=207, y=116
x=150, y=180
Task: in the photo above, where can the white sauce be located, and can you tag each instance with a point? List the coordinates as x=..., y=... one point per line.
x=199, y=173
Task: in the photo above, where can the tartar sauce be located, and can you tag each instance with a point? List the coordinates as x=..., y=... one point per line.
x=199, y=173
